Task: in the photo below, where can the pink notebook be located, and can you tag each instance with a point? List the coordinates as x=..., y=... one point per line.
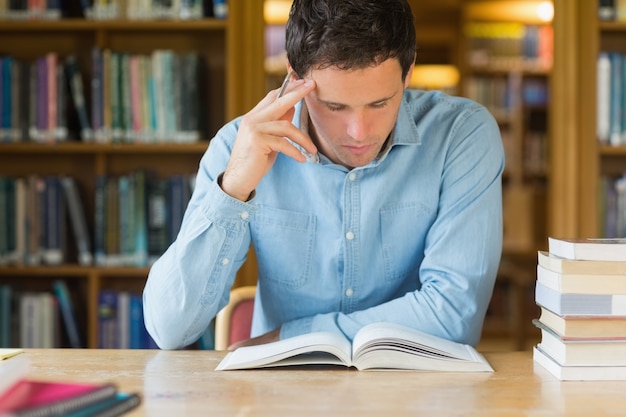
x=52, y=398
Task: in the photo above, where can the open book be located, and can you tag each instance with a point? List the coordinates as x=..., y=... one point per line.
x=375, y=346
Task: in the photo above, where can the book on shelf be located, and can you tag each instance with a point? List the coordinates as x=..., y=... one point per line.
x=77, y=93
x=606, y=10
x=68, y=313
x=581, y=283
x=578, y=373
x=78, y=219
x=591, y=249
x=603, y=98
x=612, y=10
x=611, y=97
x=6, y=316
x=580, y=304
x=54, y=244
x=582, y=351
x=590, y=327
x=38, y=320
x=375, y=346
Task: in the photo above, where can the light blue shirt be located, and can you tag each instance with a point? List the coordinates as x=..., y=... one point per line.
x=414, y=238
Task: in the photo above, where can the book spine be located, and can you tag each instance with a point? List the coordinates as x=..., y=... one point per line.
x=126, y=99
x=6, y=297
x=140, y=219
x=21, y=196
x=136, y=86
x=61, y=130
x=54, y=223
x=52, y=93
x=77, y=219
x=68, y=313
x=6, y=64
x=603, y=98
x=4, y=219
x=615, y=137
x=97, y=95
x=77, y=91
x=107, y=320
x=123, y=320
x=100, y=220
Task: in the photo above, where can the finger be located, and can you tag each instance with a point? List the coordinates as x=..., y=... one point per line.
x=294, y=91
x=284, y=129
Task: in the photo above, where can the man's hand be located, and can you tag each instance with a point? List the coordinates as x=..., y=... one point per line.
x=261, y=137
x=272, y=336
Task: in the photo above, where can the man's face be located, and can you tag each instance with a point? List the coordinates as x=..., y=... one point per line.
x=352, y=112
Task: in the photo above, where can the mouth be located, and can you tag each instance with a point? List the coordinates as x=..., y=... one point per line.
x=359, y=150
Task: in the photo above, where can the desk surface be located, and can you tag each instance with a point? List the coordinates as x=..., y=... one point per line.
x=184, y=383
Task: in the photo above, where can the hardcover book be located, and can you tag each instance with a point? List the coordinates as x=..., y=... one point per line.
x=571, y=266
x=581, y=283
x=578, y=373
x=375, y=346
x=584, y=326
x=582, y=352
x=603, y=249
x=580, y=304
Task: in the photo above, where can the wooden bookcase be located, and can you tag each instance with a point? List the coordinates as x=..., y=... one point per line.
x=580, y=160
x=233, y=52
x=497, y=72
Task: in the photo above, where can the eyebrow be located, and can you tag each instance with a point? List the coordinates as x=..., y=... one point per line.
x=333, y=103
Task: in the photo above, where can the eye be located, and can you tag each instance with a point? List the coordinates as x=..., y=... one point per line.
x=380, y=105
x=334, y=107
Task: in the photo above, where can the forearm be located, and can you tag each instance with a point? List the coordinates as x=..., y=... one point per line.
x=190, y=282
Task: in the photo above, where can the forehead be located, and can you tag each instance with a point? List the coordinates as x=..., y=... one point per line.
x=362, y=84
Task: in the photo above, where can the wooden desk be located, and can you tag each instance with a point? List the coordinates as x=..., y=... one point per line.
x=184, y=383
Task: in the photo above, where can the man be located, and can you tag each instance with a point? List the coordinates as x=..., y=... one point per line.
x=398, y=219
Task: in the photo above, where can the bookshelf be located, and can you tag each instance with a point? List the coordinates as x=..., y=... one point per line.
x=231, y=83
x=506, y=64
x=585, y=161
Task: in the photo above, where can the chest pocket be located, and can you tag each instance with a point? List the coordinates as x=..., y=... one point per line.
x=403, y=228
x=283, y=241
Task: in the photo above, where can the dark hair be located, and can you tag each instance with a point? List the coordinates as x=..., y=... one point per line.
x=349, y=34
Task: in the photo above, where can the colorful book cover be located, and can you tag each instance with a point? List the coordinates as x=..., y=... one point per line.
x=45, y=398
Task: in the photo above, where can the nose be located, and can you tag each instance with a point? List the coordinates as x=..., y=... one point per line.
x=357, y=126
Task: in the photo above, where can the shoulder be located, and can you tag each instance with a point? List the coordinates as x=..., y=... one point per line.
x=441, y=112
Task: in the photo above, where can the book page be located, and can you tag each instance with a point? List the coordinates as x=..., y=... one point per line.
x=313, y=348
x=388, y=345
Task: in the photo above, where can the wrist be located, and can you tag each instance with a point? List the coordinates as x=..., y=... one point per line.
x=244, y=196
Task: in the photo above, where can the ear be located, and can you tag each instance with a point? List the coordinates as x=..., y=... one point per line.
x=290, y=70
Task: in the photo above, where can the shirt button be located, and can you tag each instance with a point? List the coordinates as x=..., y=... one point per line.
x=245, y=215
x=225, y=261
x=352, y=176
x=349, y=292
x=350, y=235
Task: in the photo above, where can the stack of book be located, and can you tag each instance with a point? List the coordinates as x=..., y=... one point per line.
x=581, y=290
x=22, y=396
